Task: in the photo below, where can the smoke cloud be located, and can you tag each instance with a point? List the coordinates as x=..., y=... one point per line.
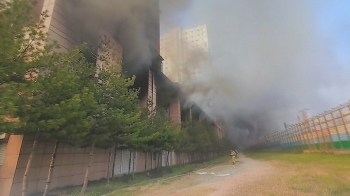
x=133, y=23
x=270, y=59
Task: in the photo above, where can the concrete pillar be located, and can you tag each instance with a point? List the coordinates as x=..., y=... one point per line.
x=8, y=168
x=175, y=111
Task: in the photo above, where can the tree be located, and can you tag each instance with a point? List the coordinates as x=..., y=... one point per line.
x=183, y=145
x=117, y=117
x=158, y=135
x=43, y=94
x=60, y=104
x=123, y=113
x=21, y=39
x=199, y=140
x=66, y=88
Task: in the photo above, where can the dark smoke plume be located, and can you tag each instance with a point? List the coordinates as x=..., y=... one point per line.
x=133, y=23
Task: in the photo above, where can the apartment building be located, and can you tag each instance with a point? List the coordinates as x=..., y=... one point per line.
x=303, y=115
x=185, y=53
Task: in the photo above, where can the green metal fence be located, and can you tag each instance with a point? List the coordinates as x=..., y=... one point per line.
x=327, y=132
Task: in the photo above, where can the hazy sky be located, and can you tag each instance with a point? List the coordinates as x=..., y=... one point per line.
x=270, y=58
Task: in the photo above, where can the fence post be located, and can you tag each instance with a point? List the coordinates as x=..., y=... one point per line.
x=302, y=136
x=291, y=128
x=343, y=120
x=295, y=137
x=272, y=141
x=295, y=130
x=317, y=137
x=276, y=146
x=311, y=133
x=300, y=141
x=275, y=140
x=286, y=142
x=289, y=142
x=303, y=130
x=287, y=139
x=321, y=129
x=268, y=141
x=283, y=140
x=307, y=129
x=329, y=131
x=279, y=140
x=336, y=129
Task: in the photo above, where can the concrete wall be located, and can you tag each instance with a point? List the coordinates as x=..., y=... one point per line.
x=181, y=158
x=140, y=163
x=69, y=169
x=70, y=165
x=8, y=167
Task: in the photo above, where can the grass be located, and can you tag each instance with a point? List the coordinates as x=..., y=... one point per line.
x=124, y=185
x=314, y=173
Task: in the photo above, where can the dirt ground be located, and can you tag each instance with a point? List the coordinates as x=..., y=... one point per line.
x=280, y=174
x=245, y=178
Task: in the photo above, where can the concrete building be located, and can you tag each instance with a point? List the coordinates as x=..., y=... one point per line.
x=185, y=53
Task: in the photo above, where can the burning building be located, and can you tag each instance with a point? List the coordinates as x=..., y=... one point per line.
x=130, y=30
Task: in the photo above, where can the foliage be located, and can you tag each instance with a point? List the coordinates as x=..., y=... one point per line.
x=199, y=137
x=43, y=93
x=117, y=119
x=21, y=38
x=158, y=134
x=61, y=100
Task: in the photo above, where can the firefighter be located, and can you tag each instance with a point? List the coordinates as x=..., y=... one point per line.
x=233, y=156
x=236, y=151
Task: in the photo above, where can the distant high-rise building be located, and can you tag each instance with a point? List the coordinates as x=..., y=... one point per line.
x=185, y=53
x=303, y=115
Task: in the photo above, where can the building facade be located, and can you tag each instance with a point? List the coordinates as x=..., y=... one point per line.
x=185, y=53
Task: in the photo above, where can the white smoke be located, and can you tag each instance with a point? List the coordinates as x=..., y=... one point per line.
x=268, y=62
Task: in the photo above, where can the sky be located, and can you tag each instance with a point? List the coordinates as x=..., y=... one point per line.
x=270, y=59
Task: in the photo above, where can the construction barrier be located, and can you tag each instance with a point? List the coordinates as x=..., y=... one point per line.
x=327, y=132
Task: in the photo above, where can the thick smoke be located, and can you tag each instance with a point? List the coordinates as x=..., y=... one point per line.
x=269, y=61
x=173, y=13
x=133, y=23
